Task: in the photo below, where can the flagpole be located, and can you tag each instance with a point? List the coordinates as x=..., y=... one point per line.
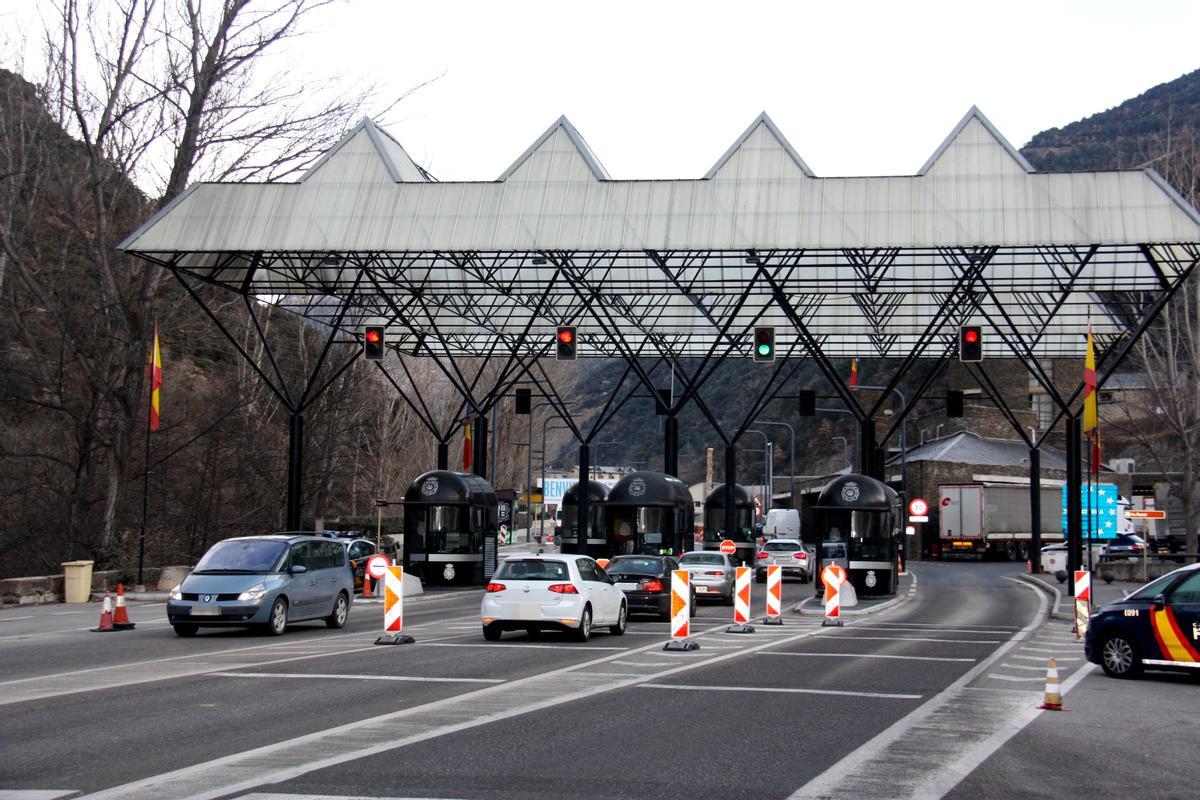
x=146, y=467
x=1091, y=513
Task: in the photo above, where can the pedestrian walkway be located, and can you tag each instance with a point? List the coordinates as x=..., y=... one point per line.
x=1102, y=593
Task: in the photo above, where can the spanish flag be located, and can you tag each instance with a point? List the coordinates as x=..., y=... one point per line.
x=467, y=448
x=155, y=380
x=853, y=373
x=1091, y=418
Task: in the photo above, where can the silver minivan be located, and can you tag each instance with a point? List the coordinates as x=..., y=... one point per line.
x=267, y=581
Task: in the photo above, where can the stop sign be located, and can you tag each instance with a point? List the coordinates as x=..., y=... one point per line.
x=728, y=547
x=377, y=565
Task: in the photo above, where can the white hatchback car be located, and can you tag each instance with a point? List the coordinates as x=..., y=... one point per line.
x=552, y=591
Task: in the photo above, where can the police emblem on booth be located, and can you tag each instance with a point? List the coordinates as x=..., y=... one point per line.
x=870, y=580
x=429, y=487
x=850, y=492
x=637, y=488
x=448, y=572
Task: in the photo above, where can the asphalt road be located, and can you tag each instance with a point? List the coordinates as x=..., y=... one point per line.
x=934, y=696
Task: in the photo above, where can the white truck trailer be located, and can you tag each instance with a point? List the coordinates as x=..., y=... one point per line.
x=982, y=520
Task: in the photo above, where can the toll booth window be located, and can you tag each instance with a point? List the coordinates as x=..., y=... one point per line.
x=652, y=521
x=448, y=530
x=870, y=536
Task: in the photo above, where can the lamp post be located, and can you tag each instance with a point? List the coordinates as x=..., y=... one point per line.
x=845, y=449
x=792, y=469
x=767, y=480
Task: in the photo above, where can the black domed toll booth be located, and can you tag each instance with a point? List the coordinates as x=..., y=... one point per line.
x=649, y=513
x=865, y=514
x=595, y=541
x=450, y=529
x=714, y=521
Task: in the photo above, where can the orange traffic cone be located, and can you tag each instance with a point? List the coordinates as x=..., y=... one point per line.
x=366, y=592
x=106, y=616
x=1053, y=699
x=120, y=620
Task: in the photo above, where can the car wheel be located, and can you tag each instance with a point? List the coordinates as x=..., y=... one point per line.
x=760, y=577
x=1119, y=657
x=277, y=622
x=584, y=631
x=727, y=600
x=492, y=632
x=185, y=629
x=622, y=619
x=341, y=610
x=691, y=607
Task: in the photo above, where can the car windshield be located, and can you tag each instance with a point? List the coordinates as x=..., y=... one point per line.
x=702, y=558
x=634, y=566
x=781, y=547
x=532, y=569
x=244, y=556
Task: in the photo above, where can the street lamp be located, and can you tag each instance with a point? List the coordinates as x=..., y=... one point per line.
x=845, y=448
x=767, y=480
x=792, y=470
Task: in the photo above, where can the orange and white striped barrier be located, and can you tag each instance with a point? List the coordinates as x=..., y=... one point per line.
x=393, y=608
x=833, y=577
x=1053, y=697
x=1083, y=601
x=741, y=602
x=681, y=612
x=120, y=620
x=774, y=596
x=900, y=564
x=106, y=616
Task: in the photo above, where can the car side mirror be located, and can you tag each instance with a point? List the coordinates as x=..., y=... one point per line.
x=297, y=569
x=1160, y=601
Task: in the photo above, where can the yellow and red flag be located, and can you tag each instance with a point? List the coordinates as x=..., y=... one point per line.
x=467, y=449
x=853, y=373
x=1091, y=418
x=155, y=380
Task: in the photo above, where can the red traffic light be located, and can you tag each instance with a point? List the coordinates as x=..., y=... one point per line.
x=374, y=336
x=566, y=336
x=970, y=336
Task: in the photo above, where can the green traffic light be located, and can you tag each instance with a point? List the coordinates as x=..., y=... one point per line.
x=764, y=349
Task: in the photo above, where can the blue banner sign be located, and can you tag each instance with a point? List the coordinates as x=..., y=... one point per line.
x=1099, y=510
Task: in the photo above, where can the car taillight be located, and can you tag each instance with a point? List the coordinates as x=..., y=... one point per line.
x=713, y=572
x=563, y=588
x=652, y=585
x=762, y=553
x=800, y=556
x=495, y=587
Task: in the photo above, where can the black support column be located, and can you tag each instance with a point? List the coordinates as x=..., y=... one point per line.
x=671, y=446
x=1035, y=509
x=480, y=445
x=443, y=456
x=1074, y=501
x=868, y=451
x=295, y=477
x=581, y=530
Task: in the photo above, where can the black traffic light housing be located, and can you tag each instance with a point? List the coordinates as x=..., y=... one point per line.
x=565, y=341
x=970, y=343
x=524, y=401
x=954, y=403
x=764, y=344
x=808, y=403
x=374, y=342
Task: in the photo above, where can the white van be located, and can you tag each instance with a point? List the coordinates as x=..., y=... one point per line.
x=782, y=523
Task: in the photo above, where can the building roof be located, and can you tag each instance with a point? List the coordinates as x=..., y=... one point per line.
x=966, y=447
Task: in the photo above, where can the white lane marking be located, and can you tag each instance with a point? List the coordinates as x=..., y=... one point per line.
x=67, y=613
x=35, y=794
x=848, y=637
x=643, y=663
x=1047, y=650
x=643, y=633
x=1017, y=678
x=292, y=758
x=1043, y=658
x=878, y=768
x=840, y=692
x=923, y=630
x=1025, y=667
x=333, y=676
x=30, y=616
x=942, y=625
x=868, y=655
x=523, y=646
x=275, y=796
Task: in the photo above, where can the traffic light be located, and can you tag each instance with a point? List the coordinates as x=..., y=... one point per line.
x=565, y=341
x=954, y=403
x=808, y=403
x=970, y=343
x=764, y=344
x=524, y=401
x=373, y=343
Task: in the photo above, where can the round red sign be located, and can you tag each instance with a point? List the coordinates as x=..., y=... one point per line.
x=728, y=547
x=377, y=565
x=918, y=507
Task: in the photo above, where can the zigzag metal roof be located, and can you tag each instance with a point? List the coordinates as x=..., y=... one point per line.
x=869, y=263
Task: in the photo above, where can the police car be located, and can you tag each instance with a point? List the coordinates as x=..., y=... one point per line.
x=1156, y=627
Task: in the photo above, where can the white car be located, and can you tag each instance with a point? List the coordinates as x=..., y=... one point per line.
x=552, y=592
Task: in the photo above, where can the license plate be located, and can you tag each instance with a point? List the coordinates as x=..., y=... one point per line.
x=529, y=611
x=627, y=587
x=702, y=589
x=206, y=611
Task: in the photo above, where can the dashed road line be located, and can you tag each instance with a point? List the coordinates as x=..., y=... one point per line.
x=868, y=655
x=777, y=690
x=335, y=677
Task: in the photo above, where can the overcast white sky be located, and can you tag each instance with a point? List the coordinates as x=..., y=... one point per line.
x=661, y=89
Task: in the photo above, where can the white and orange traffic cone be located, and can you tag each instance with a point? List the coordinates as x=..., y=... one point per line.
x=366, y=592
x=106, y=615
x=120, y=620
x=900, y=564
x=1053, y=698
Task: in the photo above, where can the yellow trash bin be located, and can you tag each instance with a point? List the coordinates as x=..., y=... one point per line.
x=77, y=581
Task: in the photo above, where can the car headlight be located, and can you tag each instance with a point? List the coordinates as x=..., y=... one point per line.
x=254, y=593
x=176, y=594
